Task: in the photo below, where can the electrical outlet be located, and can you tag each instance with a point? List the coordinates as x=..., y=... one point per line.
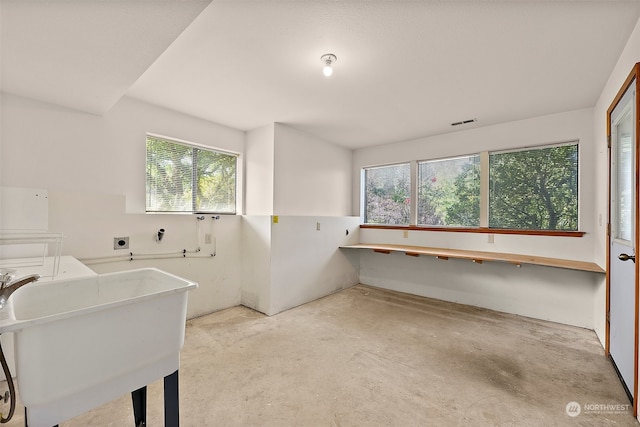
x=317, y=226
x=121, y=243
x=207, y=238
x=490, y=238
x=405, y=234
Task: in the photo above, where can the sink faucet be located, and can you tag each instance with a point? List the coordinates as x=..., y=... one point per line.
x=9, y=285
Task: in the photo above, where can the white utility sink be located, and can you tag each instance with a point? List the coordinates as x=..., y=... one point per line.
x=80, y=343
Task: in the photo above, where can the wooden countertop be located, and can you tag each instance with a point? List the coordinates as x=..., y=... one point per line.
x=479, y=256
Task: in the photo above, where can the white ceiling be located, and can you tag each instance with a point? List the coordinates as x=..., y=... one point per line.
x=85, y=54
x=405, y=69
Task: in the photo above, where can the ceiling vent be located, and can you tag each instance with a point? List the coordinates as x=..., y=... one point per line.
x=464, y=122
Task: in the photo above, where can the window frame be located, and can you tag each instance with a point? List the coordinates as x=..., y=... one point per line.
x=199, y=147
x=484, y=196
x=531, y=148
x=443, y=159
x=411, y=190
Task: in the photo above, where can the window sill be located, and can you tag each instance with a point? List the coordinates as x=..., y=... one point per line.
x=556, y=233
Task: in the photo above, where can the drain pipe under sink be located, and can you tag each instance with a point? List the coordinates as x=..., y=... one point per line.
x=11, y=393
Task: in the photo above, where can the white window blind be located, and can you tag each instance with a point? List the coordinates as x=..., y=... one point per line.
x=533, y=188
x=449, y=192
x=189, y=178
x=387, y=191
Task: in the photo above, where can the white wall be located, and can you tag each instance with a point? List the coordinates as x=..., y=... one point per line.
x=259, y=158
x=542, y=292
x=629, y=57
x=93, y=167
x=23, y=209
x=256, y=262
x=311, y=176
x=94, y=170
x=573, y=125
x=306, y=262
x=90, y=221
x=56, y=148
x=293, y=181
x=287, y=261
x=554, y=294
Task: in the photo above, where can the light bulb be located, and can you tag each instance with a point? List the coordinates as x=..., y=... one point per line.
x=328, y=60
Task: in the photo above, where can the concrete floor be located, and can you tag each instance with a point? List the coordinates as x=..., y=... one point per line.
x=371, y=357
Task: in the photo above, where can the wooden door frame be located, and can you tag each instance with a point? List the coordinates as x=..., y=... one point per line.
x=633, y=76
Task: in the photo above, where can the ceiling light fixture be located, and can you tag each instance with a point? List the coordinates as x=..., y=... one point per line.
x=328, y=60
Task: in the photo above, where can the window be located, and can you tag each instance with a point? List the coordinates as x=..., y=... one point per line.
x=534, y=189
x=527, y=189
x=189, y=178
x=449, y=192
x=387, y=192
